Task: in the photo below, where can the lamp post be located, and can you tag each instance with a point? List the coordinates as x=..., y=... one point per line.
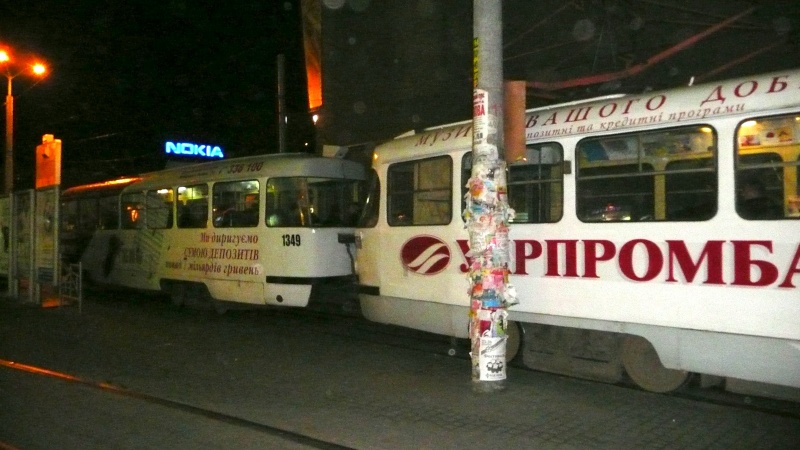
x=37, y=69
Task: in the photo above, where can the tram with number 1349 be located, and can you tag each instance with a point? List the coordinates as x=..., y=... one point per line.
x=259, y=230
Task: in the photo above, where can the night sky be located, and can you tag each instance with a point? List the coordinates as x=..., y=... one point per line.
x=391, y=67
x=126, y=76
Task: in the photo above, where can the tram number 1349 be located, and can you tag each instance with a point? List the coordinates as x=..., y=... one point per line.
x=291, y=240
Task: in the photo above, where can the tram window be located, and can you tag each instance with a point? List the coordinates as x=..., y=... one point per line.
x=691, y=192
x=284, y=202
x=313, y=202
x=759, y=186
x=616, y=193
x=192, y=206
x=657, y=175
x=69, y=215
x=333, y=202
x=236, y=204
x=768, y=154
x=535, y=185
x=87, y=216
x=132, y=210
x=109, y=213
x=420, y=192
x=72, y=239
x=159, y=208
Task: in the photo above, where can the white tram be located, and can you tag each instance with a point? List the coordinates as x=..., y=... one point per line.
x=261, y=230
x=635, y=248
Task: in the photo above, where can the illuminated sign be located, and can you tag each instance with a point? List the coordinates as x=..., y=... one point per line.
x=189, y=149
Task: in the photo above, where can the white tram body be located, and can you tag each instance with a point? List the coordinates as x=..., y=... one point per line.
x=261, y=230
x=627, y=226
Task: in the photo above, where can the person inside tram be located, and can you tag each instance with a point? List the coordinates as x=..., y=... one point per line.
x=288, y=212
x=248, y=217
x=755, y=204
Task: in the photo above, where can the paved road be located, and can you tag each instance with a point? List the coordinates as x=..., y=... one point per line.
x=277, y=379
x=41, y=412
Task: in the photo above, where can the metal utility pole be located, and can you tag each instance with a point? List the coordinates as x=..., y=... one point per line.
x=487, y=212
x=38, y=69
x=9, y=174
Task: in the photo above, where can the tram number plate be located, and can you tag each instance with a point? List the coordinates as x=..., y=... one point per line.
x=291, y=240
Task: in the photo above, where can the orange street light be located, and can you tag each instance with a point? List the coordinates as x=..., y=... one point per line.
x=37, y=69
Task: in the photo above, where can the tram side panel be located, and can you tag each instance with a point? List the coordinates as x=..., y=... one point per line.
x=254, y=266
x=229, y=262
x=276, y=266
x=677, y=285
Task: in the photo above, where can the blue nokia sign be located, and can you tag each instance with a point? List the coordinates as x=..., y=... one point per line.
x=189, y=149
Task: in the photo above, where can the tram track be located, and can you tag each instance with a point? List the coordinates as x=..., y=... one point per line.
x=406, y=339
x=286, y=435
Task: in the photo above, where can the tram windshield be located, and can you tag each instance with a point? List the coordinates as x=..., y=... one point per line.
x=313, y=202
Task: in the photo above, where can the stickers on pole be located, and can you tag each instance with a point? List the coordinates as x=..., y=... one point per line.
x=481, y=120
x=487, y=216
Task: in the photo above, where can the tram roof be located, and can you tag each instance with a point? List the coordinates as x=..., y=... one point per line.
x=771, y=92
x=279, y=164
x=100, y=188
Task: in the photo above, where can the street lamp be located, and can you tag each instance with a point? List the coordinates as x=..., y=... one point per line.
x=38, y=70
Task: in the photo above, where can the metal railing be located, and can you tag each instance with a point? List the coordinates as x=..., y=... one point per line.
x=70, y=286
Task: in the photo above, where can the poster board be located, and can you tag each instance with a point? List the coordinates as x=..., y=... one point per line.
x=46, y=235
x=22, y=245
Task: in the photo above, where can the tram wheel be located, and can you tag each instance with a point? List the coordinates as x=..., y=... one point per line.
x=514, y=341
x=642, y=364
